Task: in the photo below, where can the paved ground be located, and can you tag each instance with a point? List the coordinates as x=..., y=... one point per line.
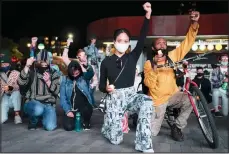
x=19, y=139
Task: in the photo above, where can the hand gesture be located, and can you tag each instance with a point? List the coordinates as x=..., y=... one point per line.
x=46, y=77
x=30, y=61
x=225, y=80
x=6, y=88
x=147, y=7
x=194, y=16
x=110, y=88
x=69, y=41
x=70, y=114
x=34, y=41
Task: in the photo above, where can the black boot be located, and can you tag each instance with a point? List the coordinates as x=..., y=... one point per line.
x=32, y=126
x=176, y=133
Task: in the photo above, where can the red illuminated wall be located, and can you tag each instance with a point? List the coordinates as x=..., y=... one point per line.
x=211, y=24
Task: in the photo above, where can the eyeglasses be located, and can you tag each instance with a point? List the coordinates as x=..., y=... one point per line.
x=224, y=58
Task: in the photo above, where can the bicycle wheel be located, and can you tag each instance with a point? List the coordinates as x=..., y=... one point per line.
x=205, y=119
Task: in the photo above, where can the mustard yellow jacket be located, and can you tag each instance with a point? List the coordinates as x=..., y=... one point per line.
x=161, y=81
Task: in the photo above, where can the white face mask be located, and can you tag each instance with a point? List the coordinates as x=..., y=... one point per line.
x=121, y=47
x=100, y=51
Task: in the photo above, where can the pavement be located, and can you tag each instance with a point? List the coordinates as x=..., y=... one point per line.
x=17, y=138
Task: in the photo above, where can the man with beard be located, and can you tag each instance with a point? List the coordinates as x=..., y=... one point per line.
x=75, y=93
x=162, y=82
x=41, y=86
x=9, y=91
x=203, y=83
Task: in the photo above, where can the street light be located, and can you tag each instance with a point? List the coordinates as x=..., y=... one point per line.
x=70, y=35
x=28, y=45
x=56, y=38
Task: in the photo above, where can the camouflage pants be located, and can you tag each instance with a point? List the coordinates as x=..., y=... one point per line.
x=120, y=101
x=178, y=100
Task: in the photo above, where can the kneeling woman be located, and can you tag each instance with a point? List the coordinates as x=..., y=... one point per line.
x=75, y=95
x=119, y=69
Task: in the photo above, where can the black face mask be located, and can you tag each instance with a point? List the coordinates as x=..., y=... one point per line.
x=200, y=74
x=42, y=70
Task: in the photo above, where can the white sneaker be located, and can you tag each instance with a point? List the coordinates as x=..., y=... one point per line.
x=148, y=151
x=17, y=119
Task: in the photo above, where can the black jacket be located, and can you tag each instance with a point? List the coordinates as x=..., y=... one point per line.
x=205, y=85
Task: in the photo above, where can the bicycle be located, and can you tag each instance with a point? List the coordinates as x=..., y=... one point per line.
x=200, y=106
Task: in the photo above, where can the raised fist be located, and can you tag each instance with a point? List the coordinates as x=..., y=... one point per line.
x=147, y=7
x=30, y=61
x=69, y=41
x=194, y=16
x=34, y=39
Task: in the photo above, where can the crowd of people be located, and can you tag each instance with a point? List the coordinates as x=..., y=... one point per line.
x=40, y=83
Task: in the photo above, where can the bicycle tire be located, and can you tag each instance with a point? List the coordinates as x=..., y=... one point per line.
x=210, y=118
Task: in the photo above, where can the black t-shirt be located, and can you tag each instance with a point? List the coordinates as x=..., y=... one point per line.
x=110, y=69
x=80, y=99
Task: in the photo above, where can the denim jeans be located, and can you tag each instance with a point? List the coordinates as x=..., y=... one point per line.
x=216, y=94
x=10, y=101
x=92, y=91
x=36, y=109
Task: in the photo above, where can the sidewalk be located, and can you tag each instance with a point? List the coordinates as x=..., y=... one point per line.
x=16, y=138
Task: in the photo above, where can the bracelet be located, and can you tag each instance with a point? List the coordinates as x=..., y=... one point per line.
x=28, y=66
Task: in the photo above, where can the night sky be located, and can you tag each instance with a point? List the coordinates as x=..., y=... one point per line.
x=26, y=19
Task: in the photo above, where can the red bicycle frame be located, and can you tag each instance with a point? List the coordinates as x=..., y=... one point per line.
x=188, y=81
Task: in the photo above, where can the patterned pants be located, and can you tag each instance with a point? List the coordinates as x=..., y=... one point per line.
x=178, y=100
x=116, y=105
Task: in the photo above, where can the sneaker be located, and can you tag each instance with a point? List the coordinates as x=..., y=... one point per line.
x=86, y=126
x=176, y=133
x=148, y=151
x=32, y=126
x=219, y=108
x=17, y=119
x=218, y=114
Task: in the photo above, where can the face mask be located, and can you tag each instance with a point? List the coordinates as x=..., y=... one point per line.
x=224, y=63
x=200, y=74
x=100, y=51
x=42, y=70
x=5, y=69
x=162, y=51
x=121, y=47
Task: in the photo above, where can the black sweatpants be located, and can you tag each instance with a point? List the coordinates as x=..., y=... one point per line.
x=86, y=113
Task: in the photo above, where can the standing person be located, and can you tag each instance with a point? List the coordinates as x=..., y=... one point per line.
x=219, y=78
x=162, y=82
x=122, y=95
x=92, y=53
x=41, y=86
x=9, y=91
x=75, y=93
